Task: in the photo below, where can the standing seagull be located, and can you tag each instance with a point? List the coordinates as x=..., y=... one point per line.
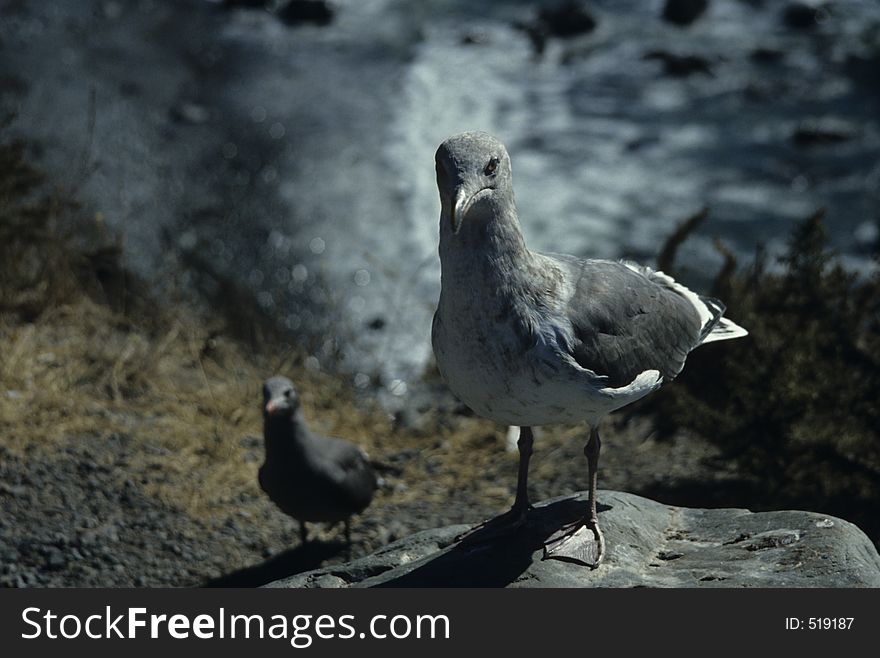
x=310, y=477
x=526, y=338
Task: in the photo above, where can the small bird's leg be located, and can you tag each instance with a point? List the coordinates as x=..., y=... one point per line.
x=303, y=533
x=516, y=515
x=582, y=541
x=347, y=538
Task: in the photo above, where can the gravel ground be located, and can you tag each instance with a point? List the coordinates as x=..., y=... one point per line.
x=84, y=516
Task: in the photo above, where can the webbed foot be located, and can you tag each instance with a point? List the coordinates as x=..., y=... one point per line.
x=581, y=542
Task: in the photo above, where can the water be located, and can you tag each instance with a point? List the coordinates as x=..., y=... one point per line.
x=311, y=182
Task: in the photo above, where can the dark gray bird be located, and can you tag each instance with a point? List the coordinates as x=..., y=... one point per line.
x=526, y=338
x=308, y=476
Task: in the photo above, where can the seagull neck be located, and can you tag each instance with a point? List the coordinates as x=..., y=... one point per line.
x=492, y=231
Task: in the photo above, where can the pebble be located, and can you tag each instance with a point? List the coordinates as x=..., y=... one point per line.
x=56, y=560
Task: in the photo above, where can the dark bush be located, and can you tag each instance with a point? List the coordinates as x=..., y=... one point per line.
x=51, y=251
x=796, y=404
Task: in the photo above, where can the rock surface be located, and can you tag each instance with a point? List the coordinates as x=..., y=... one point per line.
x=649, y=545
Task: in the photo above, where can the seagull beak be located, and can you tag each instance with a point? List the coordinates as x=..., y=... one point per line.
x=463, y=201
x=460, y=206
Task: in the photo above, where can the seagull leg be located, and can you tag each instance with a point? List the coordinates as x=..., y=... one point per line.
x=515, y=517
x=582, y=541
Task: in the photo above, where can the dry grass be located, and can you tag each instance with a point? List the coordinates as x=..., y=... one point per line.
x=185, y=392
x=187, y=396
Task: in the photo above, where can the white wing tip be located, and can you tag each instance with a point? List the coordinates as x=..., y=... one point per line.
x=726, y=329
x=644, y=383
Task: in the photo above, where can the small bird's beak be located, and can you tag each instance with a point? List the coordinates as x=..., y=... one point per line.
x=275, y=407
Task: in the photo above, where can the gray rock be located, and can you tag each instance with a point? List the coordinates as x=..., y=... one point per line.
x=649, y=545
x=190, y=113
x=801, y=16
x=823, y=131
x=684, y=12
x=298, y=12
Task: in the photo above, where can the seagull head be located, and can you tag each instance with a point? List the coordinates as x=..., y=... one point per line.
x=279, y=398
x=472, y=168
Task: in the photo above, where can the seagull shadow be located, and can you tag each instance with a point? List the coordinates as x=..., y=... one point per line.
x=304, y=557
x=498, y=561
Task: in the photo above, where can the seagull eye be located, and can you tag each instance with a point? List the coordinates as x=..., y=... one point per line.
x=288, y=393
x=491, y=167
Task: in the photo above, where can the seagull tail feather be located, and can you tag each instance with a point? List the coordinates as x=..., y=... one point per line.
x=725, y=329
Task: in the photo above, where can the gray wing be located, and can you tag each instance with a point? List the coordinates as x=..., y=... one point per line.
x=348, y=468
x=627, y=319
